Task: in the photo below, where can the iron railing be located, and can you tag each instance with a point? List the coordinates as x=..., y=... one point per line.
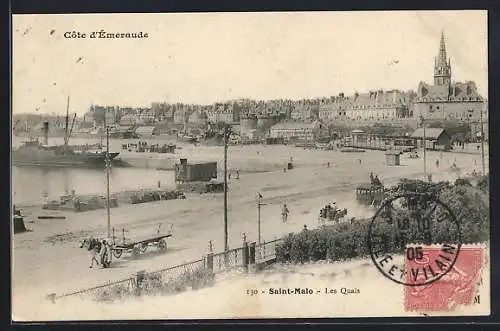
x=101, y=292
x=266, y=250
x=173, y=273
x=233, y=259
x=224, y=261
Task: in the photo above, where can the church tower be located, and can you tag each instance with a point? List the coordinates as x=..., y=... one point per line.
x=442, y=66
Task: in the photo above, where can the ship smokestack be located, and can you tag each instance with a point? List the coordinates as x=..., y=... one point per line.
x=46, y=132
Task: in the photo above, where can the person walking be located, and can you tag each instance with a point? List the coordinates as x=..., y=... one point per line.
x=104, y=253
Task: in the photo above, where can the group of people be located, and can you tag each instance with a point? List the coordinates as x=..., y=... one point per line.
x=329, y=211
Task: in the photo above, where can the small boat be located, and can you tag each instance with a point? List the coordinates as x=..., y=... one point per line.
x=352, y=150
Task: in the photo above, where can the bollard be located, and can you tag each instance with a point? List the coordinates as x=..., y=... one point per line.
x=251, y=253
x=210, y=262
x=245, y=255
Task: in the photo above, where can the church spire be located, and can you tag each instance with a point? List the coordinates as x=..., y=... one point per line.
x=442, y=65
x=442, y=51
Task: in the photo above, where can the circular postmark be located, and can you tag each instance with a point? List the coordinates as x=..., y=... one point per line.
x=414, y=239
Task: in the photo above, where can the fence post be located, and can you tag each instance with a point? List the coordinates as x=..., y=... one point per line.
x=251, y=253
x=210, y=261
x=245, y=255
x=139, y=278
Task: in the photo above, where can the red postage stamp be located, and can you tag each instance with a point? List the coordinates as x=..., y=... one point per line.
x=456, y=287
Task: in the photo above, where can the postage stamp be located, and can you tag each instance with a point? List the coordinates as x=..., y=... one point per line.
x=456, y=287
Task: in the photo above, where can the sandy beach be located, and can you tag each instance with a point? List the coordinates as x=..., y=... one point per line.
x=48, y=258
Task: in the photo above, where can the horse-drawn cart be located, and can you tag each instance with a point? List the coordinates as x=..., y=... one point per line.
x=139, y=246
x=331, y=214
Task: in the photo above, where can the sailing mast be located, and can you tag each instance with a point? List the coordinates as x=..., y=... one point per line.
x=72, y=125
x=67, y=124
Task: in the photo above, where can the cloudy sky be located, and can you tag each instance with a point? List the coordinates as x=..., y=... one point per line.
x=203, y=58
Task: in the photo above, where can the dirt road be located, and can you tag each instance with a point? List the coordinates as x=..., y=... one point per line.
x=49, y=259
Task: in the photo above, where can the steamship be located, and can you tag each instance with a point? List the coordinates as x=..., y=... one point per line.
x=34, y=153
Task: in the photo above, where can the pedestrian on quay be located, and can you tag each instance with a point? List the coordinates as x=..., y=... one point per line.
x=284, y=213
x=437, y=163
x=104, y=253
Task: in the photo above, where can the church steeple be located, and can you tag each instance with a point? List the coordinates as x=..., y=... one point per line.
x=442, y=65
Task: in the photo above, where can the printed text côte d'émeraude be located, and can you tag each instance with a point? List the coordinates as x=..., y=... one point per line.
x=103, y=34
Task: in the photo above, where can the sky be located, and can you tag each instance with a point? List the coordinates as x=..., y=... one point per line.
x=208, y=57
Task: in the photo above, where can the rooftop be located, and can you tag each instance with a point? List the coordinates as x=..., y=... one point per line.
x=430, y=133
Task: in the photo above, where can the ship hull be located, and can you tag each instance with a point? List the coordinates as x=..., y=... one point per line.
x=87, y=160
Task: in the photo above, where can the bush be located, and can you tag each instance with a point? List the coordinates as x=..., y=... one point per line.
x=198, y=278
x=349, y=240
x=111, y=293
x=462, y=181
x=154, y=283
x=484, y=183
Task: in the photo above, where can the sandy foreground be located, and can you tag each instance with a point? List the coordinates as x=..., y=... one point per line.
x=48, y=259
x=342, y=289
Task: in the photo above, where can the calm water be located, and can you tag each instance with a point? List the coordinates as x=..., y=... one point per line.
x=31, y=185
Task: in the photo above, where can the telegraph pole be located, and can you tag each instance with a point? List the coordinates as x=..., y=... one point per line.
x=226, y=132
x=107, y=179
x=482, y=144
x=425, y=153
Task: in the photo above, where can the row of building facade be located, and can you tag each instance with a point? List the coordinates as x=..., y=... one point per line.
x=444, y=100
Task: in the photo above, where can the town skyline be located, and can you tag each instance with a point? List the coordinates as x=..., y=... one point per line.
x=257, y=59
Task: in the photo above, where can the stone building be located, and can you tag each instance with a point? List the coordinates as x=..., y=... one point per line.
x=226, y=113
x=374, y=105
x=445, y=99
x=298, y=131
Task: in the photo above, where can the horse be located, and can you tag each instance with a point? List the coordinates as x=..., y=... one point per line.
x=340, y=214
x=333, y=215
x=95, y=247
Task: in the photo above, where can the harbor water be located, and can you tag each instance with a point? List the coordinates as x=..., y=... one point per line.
x=34, y=185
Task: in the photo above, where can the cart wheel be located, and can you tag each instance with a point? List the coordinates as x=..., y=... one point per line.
x=143, y=247
x=117, y=253
x=162, y=245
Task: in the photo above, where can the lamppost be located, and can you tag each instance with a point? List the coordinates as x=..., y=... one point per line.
x=422, y=119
